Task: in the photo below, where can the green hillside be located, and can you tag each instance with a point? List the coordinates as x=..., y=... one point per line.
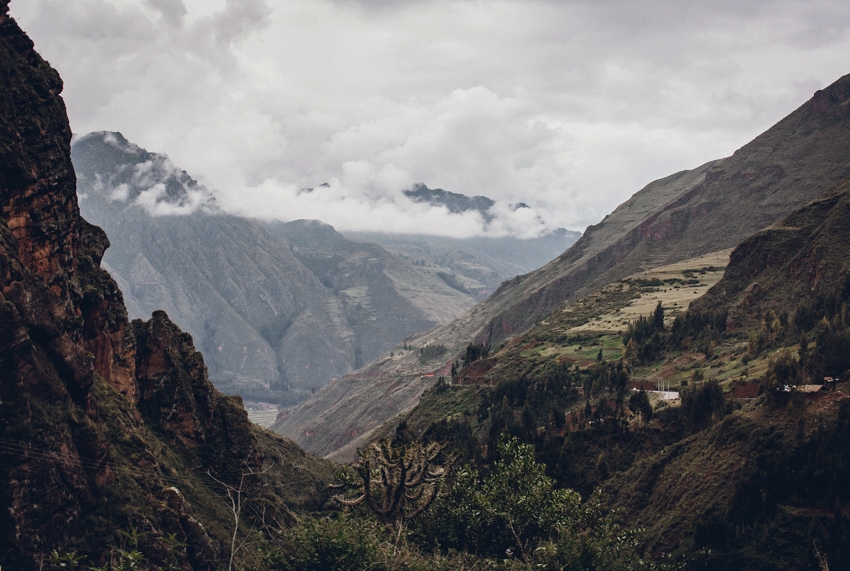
x=748, y=466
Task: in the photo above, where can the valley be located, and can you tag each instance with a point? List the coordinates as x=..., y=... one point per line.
x=279, y=309
x=671, y=392
x=680, y=217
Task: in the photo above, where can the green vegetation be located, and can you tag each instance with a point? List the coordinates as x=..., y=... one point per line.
x=737, y=463
x=431, y=353
x=512, y=517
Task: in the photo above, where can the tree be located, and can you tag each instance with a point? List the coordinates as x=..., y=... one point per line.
x=521, y=498
x=658, y=318
x=702, y=405
x=236, y=496
x=516, y=506
x=639, y=404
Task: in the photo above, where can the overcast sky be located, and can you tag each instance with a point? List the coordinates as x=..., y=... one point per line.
x=567, y=106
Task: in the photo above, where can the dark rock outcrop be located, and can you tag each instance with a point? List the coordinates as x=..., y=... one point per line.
x=100, y=420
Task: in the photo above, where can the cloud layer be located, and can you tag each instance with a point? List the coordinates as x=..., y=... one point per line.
x=568, y=106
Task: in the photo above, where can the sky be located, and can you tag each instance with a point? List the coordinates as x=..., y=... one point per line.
x=567, y=106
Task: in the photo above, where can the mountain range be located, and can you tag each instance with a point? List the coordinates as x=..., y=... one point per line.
x=690, y=213
x=279, y=309
x=686, y=410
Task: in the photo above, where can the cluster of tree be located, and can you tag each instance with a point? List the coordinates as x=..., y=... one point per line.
x=475, y=351
x=643, y=341
x=647, y=338
x=820, y=326
x=431, y=352
x=639, y=404
x=702, y=405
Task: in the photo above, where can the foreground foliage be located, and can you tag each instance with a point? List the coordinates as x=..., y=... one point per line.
x=514, y=517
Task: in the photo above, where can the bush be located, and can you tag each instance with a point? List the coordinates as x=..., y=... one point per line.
x=340, y=543
x=514, y=509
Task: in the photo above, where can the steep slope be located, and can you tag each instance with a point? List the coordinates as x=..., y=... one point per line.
x=791, y=261
x=384, y=298
x=484, y=262
x=687, y=214
x=695, y=212
x=769, y=471
x=105, y=426
x=279, y=309
x=749, y=461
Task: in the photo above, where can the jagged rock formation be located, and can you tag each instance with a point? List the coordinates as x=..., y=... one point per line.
x=710, y=208
x=278, y=309
x=453, y=201
x=104, y=425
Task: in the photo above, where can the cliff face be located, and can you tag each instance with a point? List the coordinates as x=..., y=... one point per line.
x=101, y=421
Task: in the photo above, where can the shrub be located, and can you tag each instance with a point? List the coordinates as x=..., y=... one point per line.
x=341, y=543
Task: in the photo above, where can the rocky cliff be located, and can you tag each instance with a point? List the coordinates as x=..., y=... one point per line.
x=105, y=426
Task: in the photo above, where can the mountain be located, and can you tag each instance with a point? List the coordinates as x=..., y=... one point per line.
x=787, y=264
x=787, y=292
x=745, y=467
x=484, y=262
x=690, y=213
x=455, y=203
x=107, y=426
x=740, y=460
x=279, y=309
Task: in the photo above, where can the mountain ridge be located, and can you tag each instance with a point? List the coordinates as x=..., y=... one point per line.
x=279, y=308
x=712, y=207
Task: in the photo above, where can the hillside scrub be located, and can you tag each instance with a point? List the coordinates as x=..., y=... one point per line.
x=512, y=517
x=582, y=424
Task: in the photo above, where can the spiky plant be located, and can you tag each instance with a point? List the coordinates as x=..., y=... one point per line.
x=396, y=482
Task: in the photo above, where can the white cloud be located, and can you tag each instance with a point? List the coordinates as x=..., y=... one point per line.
x=568, y=106
x=120, y=193
x=156, y=201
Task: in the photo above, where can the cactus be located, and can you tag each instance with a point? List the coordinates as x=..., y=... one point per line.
x=396, y=482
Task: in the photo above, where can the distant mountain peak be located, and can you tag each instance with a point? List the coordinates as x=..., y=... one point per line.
x=138, y=177
x=455, y=202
